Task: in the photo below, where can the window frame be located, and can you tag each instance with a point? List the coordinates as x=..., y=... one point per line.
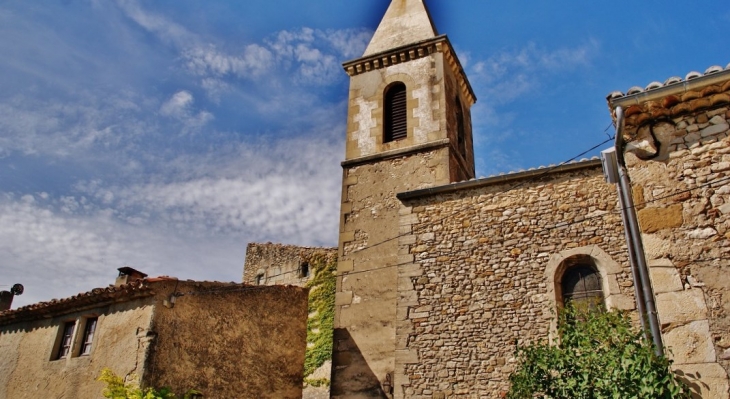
x=65, y=339
x=87, y=339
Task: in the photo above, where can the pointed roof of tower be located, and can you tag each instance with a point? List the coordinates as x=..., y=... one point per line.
x=405, y=22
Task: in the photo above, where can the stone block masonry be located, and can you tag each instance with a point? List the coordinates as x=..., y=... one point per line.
x=685, y=201
x=477, y=284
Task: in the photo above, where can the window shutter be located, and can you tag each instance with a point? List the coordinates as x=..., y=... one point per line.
x=396, y=113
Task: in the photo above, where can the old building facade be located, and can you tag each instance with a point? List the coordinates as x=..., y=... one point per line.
x=180, y=334
x=439, y=275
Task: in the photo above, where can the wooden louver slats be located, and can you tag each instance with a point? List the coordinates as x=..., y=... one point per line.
x=396, y=113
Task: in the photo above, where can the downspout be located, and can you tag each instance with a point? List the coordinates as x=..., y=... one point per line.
x=634, y=242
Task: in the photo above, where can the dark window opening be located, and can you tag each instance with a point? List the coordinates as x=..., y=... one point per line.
x=259, y=279
x=461, y=133
x=89, y=331
x=66, y=340
x=581, y=286
x=396, y=113
x=304, y=270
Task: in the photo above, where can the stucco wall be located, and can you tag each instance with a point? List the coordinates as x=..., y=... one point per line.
x=477, y=275
x=231, y=342
x=678, y=158
x=28, y=371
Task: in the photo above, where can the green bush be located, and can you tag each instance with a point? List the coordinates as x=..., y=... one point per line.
x=117, y=389
x=600, y=355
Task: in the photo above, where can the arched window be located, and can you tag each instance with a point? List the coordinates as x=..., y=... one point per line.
x=395, y=126
x=581, y=287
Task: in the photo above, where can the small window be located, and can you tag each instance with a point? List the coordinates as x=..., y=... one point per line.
x=89, y=331
x=66, y=340
x=395, y=113
x=259, y=279
x=304, y=270
x=581, y=287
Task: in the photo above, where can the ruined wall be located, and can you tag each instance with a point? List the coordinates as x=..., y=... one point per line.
x=478, y=272
x=279, y=264
x=28, y=368
x=230, y=341
x=678, y=158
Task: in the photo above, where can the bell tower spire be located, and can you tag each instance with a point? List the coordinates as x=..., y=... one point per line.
x=405, y=22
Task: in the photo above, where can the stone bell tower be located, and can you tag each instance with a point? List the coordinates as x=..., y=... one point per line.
x=409, y=127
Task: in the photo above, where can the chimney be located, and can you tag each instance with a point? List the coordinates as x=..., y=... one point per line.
x=6, y=300
x=128, y=275
x=6, y=297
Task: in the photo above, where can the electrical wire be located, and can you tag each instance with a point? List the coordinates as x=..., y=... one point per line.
x=560, y=225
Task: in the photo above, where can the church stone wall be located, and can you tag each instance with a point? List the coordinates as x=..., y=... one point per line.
x=678, y=158
x=474, y=274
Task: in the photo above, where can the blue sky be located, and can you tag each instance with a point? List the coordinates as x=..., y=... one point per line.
x=166, y=135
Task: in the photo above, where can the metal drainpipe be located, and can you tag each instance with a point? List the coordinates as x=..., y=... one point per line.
x=638, y=287
x=635, y=243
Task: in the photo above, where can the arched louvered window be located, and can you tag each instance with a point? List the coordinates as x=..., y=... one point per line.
x=396, y=113
x=581, y=286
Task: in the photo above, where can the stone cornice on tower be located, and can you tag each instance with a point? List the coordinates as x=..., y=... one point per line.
x=413, y=51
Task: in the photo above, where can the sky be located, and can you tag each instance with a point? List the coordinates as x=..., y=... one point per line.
x=166, y=135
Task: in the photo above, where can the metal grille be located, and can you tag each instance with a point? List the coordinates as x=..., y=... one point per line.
x=582, y=287
x=396, y=113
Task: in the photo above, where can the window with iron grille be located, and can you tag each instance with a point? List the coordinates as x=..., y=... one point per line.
x=581, y=286
x=66, y=340
x=395, y=113
x=89, y=331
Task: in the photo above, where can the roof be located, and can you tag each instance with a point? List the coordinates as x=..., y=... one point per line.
x=405, y=22
x=532, y=174
x=673, y=84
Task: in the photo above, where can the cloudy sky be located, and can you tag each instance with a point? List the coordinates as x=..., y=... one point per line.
x=166, y=135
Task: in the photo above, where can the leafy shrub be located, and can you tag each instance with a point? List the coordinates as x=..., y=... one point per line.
x=600, y=355
x=117, y=389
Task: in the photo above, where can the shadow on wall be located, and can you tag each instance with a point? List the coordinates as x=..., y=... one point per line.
x=354, y=376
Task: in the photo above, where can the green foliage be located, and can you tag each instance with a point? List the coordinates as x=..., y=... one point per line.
x=117, y=389
x=317, y=382
x=320, y=326
x=600, y=355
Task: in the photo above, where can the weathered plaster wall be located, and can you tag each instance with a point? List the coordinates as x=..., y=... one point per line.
x=474, y=275
x=678, y=157
x=26, y=368
x=279, y=264
x=231, y=342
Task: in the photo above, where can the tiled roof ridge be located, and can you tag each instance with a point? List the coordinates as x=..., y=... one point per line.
x=135, y=289
x=674, y=80
x=529, y=174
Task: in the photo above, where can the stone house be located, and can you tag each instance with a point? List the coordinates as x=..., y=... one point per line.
x=439, y=274
x=166, y=332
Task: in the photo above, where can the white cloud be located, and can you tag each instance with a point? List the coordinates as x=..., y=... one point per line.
x=179, y=106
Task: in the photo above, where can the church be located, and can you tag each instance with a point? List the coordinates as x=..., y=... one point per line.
x=439, y=274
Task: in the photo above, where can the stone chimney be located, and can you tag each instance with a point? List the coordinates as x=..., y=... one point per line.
x=6, y=300
x=128, y=275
